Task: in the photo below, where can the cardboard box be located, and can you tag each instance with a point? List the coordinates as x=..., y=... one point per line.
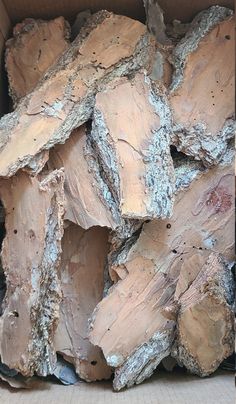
x=168, y=388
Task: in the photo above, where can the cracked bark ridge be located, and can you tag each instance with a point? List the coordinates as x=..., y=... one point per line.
x=166, y=252
x=202, y=90
x=206, y=314
x=84, y=205
x=30, y=257
x=130, y=136
x=82, y=281
x=108, y=46
x=36, y=45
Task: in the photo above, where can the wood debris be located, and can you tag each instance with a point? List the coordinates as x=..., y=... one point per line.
x=108, y=46
x=116, y=233
x=155, y=271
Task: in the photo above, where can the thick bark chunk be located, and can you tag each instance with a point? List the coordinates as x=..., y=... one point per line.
x=130, y=136
x=108, y=46
x=202, y=90
x=35, y=46
x=167, y=251
x=82, y=282
x=205, y=331
x=30, y=258
x=84, y=206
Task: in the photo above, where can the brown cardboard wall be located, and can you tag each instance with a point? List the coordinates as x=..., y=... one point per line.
x=5, y=26
x=19, y=9
x=183, y=10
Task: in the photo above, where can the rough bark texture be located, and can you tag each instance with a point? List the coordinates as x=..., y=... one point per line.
x=202, y=90
x=82, y=283
x=155, y=21
x=36, y=45
x=161, y=69
x=108, y=46
x=205, y=331
x=84, y=206
x=177, y=30
x=167, y=251
x=130, y=137
x=30, y=258
x=107, y=127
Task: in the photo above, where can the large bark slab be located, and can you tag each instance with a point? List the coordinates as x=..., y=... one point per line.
x=82, y=281
x=130, y=137
x=84, y=205
x=167, y=251
x=202, y=90
x=108, y=46
x=205, y=331
x=35, y=46
x=31, y=257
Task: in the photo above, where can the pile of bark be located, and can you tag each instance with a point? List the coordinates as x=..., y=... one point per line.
x=116, y=192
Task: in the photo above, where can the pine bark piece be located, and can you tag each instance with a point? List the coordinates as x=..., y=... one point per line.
x=131, y=139
x=82, y=282
x=143, y=301
x=155, y=21
x=202, y=91
x=186, y=171
x=83, y=203
x=205, y=331
x=36, y=45
x=108, y=46
x=31, y=257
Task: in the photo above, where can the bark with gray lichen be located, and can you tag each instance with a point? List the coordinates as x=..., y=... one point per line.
x=30, y=258
x=201, y=98
x=156, y=270
x=141, y=187
x=206, y=314
x=64, y=98
x=35, y=46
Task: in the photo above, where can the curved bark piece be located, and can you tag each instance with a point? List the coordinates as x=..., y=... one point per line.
x=31, y=257
x=82, y=281
x=130, y=137
x=205, y=330
x=143, y=301
x=108, y=46
x=36, y=45
x=84, y=206
x=202, y=91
